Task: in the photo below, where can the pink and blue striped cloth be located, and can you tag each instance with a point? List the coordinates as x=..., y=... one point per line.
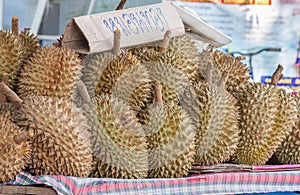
x=214, y=183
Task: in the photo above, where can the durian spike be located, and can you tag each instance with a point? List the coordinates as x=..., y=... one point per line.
x=10, y=94
x=15, y=25
x=165, y=42
x=209, y=72
x=223, y=80
x=121, y=5
x=5, y=80
x=23, y=137
x=158, y=94
x=277, y=75
x=117, y=42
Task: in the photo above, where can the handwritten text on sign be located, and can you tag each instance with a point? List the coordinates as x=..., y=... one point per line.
x=139, y=22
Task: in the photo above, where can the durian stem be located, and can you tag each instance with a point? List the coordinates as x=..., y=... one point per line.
x=165, y=42
x=10, y=94
x=117, y=42
x=4, y=80
x=158, y=94
x=208, y=76
x=15, y=25
x=83, y=91
x=223, y=80
x=23, y=137
x=121, y=5
x=277, y=75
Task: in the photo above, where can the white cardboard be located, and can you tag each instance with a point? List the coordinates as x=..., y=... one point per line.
x=201, y=30
x=140, y=25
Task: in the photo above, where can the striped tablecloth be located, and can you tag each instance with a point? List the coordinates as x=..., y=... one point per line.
x=216, y=183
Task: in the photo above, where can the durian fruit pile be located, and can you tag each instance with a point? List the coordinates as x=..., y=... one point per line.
x=144, y=112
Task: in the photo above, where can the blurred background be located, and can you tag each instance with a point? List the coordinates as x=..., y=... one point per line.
x=266, y=32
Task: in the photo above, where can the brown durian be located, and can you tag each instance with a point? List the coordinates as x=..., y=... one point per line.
x=118, y=140
x=14, y=154
x=117, y=74
x=61, y=142
x=215, y=114
x=170, y=136
x=51, y=71
x=288, y=151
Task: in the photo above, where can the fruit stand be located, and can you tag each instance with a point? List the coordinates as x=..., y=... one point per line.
x=126, y=102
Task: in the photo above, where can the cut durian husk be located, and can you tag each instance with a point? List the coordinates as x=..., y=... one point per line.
x=14, y=156
x=258, y=108
x=170, y=137
x=61, y=142
x=288, y=151
x=51, y=71
x=118, y=140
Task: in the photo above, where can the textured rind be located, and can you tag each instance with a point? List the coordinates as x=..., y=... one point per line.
x=51, y=71
x=118, y=140
x=30, y=44
x=61, y=142
x=258, y=108
x=14, y=157
x=215, y=115
x=171, y=141
x=288, y=151
x=238, y=72
x=11, y=56
x=119, y=76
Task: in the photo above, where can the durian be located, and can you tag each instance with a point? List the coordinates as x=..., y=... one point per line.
x=30, y=44
x=268, y=115
x=14, y=154
x=118, y=140
x=238, y=72
x=61, y=142
x=117, y=74
x=215, y=115
x=258, y=110
x=288, y=151
x=170, y=136
x=51, y=71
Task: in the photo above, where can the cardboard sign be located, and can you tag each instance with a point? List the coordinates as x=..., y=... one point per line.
x=140, y=25
x=200, y=30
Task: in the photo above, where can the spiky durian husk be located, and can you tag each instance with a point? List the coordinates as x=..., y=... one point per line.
x=51, y=71
x=119, y=76
x=61, y=142
x=172, y=57
x=11, y=56
x=238, y=72
x=288, y=151
x=258, y=108
x=184, y=44
x=171, y=141
x=173, y=81
x=118, y=140
x=215, y=115
x=14, y=157
x=30, y=44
